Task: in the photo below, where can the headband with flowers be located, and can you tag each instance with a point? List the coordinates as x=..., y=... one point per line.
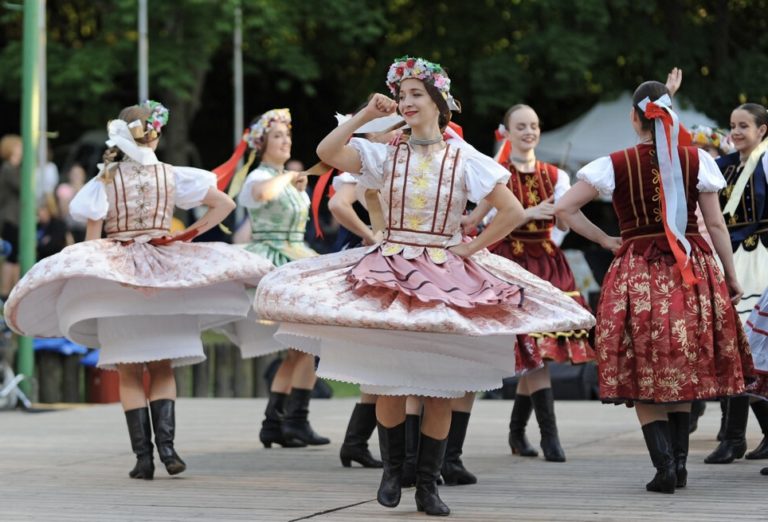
x=157, y=119
x=420, y=69
x=258, y=129
x=705, y=136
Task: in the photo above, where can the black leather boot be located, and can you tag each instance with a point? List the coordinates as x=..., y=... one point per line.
x=723, y=418
x=271, y=427
x=760, y=409
x=657, y=439
x=430, y=461
x=140, y=431
x=764, y=471
x=359, y=430
x=734, y=445
x=544, y=406
x=412, y=433
x=521, y=412
x=679, y=424
x=697, y=410
x=392, y=445
x=295, y=421
x=453, y=470
x=164, y=423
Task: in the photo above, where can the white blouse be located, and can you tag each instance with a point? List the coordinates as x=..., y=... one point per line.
x=245, y=198
x=481, y=173
x=191, y=187
x=599, y=173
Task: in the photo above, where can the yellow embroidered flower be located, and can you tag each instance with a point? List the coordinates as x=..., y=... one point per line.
x=418, y=201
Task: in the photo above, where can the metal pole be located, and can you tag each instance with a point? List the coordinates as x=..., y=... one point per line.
x=238, y=70
x=30, y=135
x=143, y=53
x=42, y=152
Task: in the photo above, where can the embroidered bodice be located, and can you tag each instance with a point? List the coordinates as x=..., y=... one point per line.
x=281, y=219
x=141, y=200
x=637, y=197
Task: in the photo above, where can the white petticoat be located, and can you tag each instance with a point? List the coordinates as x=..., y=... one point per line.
x=154, y=300
x=757, y=333
x=393, y=344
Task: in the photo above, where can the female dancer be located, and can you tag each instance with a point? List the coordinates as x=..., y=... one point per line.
x=141, y=295
x=538, y=186
x=745, y=204
x=420, y=313
x=278, y=208
x=667, y=332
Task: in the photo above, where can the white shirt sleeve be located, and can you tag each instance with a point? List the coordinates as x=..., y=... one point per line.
x=599, y=174
x=372, y=156
x=710, y=178
x=192, y=185
x=90, y=202
x=562, y=185
x=245, y=198
x=482, y=174
x=345, y=178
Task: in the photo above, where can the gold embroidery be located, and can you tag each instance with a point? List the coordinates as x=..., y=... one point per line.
x=751, y=241
x=734, y=219
x=532, y=226
x=517, y=247
x=727, y=191
x=547, y=247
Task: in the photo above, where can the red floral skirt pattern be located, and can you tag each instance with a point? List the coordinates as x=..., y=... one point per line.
x=660, y=341
x=549, y=263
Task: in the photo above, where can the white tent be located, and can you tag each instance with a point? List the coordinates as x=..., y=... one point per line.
x=605, y=128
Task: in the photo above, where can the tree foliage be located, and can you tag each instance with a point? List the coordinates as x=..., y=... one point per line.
x=317, y=57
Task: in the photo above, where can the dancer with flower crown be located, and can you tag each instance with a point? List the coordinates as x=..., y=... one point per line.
x=538, y=186
x=667, y=330
x=421, y=313
x=142, y=295
x=278, y=208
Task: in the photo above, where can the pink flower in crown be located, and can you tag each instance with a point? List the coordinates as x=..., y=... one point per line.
x=441, y=81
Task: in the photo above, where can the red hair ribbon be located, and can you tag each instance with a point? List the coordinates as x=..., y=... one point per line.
x=656, y=112
x=317, y=197
x=226, y=170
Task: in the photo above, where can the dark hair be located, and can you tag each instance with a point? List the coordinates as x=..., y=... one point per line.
x=513, y=110
x=758, y=112
x=653, y=90
x=437, y=97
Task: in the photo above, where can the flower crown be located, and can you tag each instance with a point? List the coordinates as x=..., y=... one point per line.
x=707, y=136
x=420, y=69
x=258, y=129
x=158, y=117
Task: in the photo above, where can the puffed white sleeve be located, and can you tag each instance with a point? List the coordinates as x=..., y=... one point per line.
x=90, y=202
x=562, y=184
x=245, y=198
x=192, y=185
x=482, y=174
x=345, y=178
x=710, y=177
x=372, y=156
x=599, y=174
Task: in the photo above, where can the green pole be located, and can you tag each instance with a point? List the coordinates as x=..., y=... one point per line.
x=30, y=135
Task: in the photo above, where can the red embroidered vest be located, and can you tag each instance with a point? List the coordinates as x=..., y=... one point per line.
x=637, y=194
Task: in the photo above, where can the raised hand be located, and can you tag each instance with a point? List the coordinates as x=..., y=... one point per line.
x=674, y=80
x=380, y=106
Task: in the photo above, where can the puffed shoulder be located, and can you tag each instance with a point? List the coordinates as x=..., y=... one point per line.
x=90, y=202
x=481, y=174
x=710, y=178
x=245, y=198
x=599, y=173
x=372, y=157
x=192, y=185
x=345, y=178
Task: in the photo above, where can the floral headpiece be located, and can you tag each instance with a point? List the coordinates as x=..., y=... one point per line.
x=258, y=129
x=704, y=136
x=420, y=69
x=157, y=119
